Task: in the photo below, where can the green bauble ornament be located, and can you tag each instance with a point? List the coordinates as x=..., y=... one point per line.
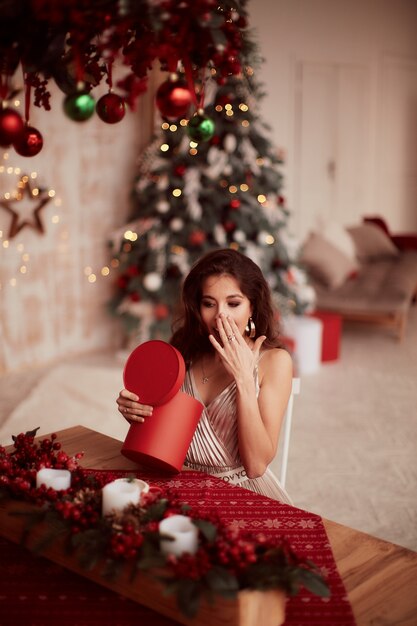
x=200, y=127
x=79, y=106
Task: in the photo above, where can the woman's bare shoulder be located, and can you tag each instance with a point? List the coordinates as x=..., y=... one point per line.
x=275, y=361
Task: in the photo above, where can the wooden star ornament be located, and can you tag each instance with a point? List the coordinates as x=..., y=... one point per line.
x=21, y=207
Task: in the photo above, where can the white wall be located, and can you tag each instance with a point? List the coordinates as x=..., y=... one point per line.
x=372, y=46
x=53, y=310
x=364, y=52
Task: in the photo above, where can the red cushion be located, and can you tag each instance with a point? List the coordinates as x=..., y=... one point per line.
x=405, y=242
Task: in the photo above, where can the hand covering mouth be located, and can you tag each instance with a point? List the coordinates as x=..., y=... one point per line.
x=216, y=334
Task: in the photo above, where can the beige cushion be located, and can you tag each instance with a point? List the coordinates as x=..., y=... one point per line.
x=337, y=235
x=325, y=262
x=371, y=242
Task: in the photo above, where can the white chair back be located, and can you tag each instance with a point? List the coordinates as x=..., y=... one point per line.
x=286, y=434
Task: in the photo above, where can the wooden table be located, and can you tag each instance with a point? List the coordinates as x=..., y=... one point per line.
x=380, y=577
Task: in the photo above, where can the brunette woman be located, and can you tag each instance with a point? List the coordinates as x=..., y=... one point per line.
x=235, y=366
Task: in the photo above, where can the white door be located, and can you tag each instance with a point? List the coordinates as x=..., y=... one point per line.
x=397, y=173
x=331, y=144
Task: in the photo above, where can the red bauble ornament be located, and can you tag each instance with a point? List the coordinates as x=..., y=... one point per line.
x=226, y=98
x=111, y=108
x=215, y=140
x=197, y=238
x=11, y=127
x=173, y=98
x=229, y=226
x=132, y=270
x=173, y=271
x=232, y=66
x=180, y=170
x=122, y=281
x=29, y=143
x=161, y=311
x=235, y=203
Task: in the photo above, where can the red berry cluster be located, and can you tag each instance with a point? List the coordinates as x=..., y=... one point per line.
x=233, y=551
x=190, y=566
x=18, y=468
x=82, y=512
x=125, y=543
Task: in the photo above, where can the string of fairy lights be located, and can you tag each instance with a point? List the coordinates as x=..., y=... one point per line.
x=12, y=179
x=21, y=251
x=130, y=236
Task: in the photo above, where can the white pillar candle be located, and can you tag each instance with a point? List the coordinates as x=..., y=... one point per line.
x=56, y=478
x=121, y=492
x=183, y=532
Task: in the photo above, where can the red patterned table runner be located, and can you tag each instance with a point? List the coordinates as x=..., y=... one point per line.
x=36, y=592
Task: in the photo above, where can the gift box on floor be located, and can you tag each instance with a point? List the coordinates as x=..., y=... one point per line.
x=306, y=334
x=332, y=328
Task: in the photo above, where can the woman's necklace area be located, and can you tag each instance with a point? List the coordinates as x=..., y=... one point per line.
x=206, y=377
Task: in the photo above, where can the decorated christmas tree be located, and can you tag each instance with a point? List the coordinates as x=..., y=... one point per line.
x=210, y=181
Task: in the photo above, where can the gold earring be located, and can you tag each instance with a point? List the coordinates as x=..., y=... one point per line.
x=250, y=329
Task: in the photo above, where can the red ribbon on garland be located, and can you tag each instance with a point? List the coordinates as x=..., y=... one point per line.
x=198, y=99
x=28, y=87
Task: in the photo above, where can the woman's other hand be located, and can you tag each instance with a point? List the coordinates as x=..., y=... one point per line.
x=238, y=354
x=130, y=407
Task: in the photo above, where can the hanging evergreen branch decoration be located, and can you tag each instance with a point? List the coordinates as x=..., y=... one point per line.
x=74, y=44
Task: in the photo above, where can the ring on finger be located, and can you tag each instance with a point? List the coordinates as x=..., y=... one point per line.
x=231, y=337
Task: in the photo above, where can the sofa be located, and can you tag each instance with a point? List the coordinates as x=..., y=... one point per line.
x=363, y=272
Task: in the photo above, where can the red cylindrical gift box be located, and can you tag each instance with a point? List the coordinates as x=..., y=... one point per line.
x=155, y=372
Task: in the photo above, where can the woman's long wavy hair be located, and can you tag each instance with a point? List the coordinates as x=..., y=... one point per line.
x=189, y=331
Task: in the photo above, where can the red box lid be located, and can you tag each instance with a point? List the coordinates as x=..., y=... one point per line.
x=155, y=371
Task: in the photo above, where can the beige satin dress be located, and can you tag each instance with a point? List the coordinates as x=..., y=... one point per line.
x=214, y=447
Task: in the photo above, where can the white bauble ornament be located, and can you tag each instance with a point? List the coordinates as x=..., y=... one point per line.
x=212, y=155
x=195, y=209
x=162, y=206
x=239, y=236
x=230, y=143
x=152, y=281
x=220, y=235
x=176, y=224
